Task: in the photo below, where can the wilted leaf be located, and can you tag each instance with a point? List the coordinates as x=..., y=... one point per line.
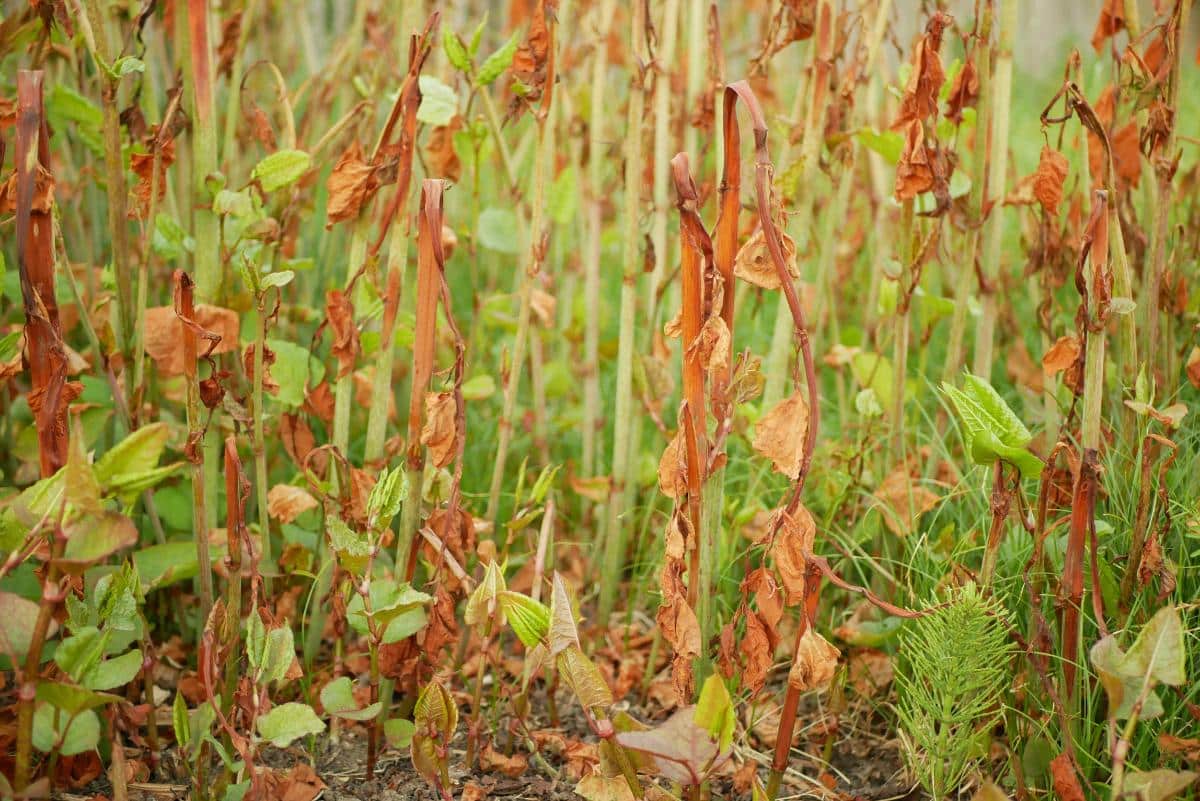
x=596, y=787
x=1158, y=785
x=904, y=500
x=285, y=502
x=1066, y=779
x=780, y=433
x=1062, y=355
x=815, y=664
x=164, y=334
x=672, y=468
x=926, y=77
x=754, y=264
x=438, y=433
x=1048, y=180
x=793, y=541
x=340, y=313
x=351, y=185
x=914, y=171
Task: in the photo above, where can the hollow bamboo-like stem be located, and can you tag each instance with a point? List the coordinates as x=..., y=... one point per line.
x=534, y=257
x=1001, y=101
x=614, y=535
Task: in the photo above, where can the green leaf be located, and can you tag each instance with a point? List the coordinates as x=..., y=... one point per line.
x=1121, y=686
x=137, y=453
x=386, y=497
x=479, y=387
x=279, y=652
x=397, y=606
x=92, y=538
x=889, y=144
x=497, y=230
x=1158, y=650
x=456, y=51
x=477, y=36
x=584, y=678
x=162, y=565
x=72, y=735
x=69, y=112
x=439, y=102
x=990, y=428
x=529, y=619
x=562, y=201
x=233, y=204
x=170, y=240
x=127, y=65
x=71, y=699
x=80, y=652
x=287, y=723
x=353, y=549
x=337, y=697
x=280, y=169
x=398, y=732
x=714, y=711
x=295, y=368
x=435, y=718
x=494, y=65
x=484, y=599
x=113, y=673
x=181, y=722
x=278, y=279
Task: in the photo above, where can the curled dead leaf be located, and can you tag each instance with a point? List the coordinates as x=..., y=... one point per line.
x=439, y=430
x=340, y=312
x=1062, y=354
x=164, y=334
x=903, y=501
x=285, y=502
x=779, y=435
x=1048, y=179
x=914, y=172
x=816, y=662
x=351, y=185
x=794, y=541
x=754, y=265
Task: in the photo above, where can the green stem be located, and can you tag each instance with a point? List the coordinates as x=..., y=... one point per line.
x=992, y=229
x=614, y=539
x=979, y=162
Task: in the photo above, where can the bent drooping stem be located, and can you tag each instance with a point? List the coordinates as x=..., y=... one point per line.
x=696, y=254
x=1094, y=286
x=763, y=168
x=185, y=309
x=48, y=375
x=775, y=367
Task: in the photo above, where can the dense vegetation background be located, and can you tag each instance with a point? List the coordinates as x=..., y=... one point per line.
x=599, y=399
